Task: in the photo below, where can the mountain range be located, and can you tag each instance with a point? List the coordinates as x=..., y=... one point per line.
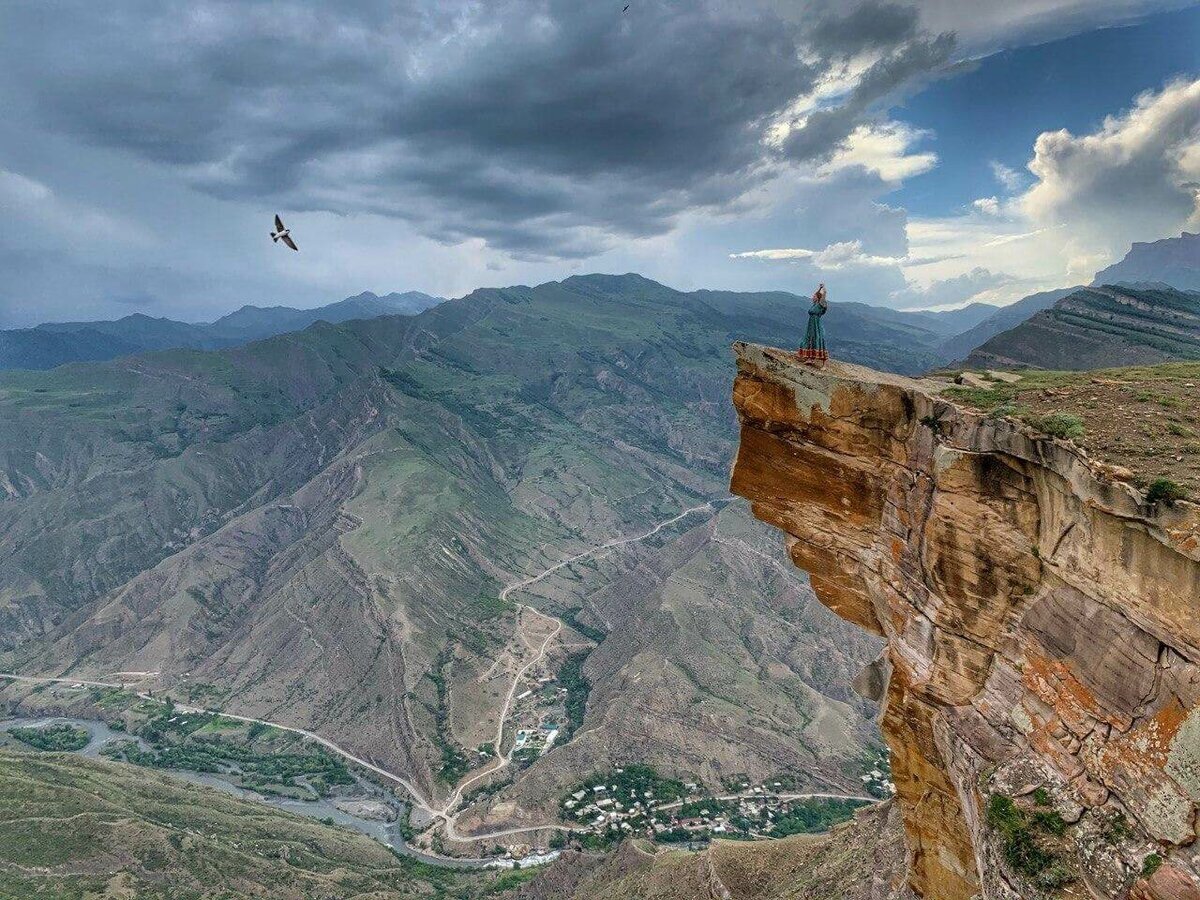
x=1171, y=261
x=960, y=345
x=53, y=344
x=315, y=528
x=350, y=528
x=267, y=523
x=56, y=343
x=1100, y=327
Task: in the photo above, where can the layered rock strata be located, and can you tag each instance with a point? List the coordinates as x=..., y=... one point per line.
x=1042, y=670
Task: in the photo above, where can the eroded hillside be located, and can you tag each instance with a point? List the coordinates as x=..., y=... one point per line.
x=1108, y=325
x=71, y=827
x=859, y=860
x=318, y=530
x=1042, y=670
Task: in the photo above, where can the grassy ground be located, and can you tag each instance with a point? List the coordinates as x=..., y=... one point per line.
x=860, y=860
x=74, y=828
x=1145, y=418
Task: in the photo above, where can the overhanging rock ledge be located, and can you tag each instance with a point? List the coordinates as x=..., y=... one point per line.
x=1043, y=626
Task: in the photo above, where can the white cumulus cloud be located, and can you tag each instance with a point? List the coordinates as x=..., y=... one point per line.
x=1083, y=201
x=834, y=257
x=1132, y=179
x=989, y=206
x=1009, y=178
x=883, y=150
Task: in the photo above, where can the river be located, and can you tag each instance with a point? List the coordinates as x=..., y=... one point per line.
x=387, y=833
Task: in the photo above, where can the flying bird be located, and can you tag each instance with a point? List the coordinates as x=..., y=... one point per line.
x=282, y=234
x=626, y=9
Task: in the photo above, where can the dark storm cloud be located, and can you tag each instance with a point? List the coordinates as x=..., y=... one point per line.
x=868, y=26
x=545, y=129
x=825, y=129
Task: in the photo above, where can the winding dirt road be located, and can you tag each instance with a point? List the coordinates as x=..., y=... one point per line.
x=503, y=760
x=447, y=813
x=449, y=816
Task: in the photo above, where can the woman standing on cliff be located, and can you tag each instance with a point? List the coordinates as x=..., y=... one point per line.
x=813, y=353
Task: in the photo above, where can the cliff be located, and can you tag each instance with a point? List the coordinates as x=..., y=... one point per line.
x=1173, y=261
x=1042, y=670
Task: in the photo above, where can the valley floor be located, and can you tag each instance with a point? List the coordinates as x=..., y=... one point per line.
x=518, y=666
x=73, y=828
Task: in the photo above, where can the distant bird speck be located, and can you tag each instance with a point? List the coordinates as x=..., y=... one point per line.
x=282, y=234
x=626, y=9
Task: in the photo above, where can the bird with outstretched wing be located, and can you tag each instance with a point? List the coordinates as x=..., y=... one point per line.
x=282, y=234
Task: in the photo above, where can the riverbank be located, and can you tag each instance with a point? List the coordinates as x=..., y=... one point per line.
x=321, y=808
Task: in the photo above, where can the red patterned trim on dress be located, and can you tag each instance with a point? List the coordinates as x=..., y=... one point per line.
x=813, y=354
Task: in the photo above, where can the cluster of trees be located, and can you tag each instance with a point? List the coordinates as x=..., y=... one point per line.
x=56, y=738
x=817, y=814
x=571, y=677
x=179, y=742
x=454, y=760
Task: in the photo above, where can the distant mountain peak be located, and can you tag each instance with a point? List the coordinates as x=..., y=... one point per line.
x=1186, y=239
x=55, y=343
x=1171, y=261
x=609, y=281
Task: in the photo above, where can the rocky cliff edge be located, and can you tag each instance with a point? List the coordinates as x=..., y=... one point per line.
x=1041, y=679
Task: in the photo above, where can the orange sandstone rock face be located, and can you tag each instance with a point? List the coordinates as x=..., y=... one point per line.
x=1043, y=625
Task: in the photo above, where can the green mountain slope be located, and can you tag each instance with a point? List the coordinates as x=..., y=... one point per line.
x=33, y=348
x=1006, y=318
x=74, y=828
x=314, y=529
x=861, y=860
x=255, y=322
x=1114, y=325
x=56, y=343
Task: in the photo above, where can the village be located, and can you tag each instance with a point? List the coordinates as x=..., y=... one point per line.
x=636, y=800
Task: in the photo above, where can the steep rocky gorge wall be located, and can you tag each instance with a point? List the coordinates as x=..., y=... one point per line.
x=1043, y=627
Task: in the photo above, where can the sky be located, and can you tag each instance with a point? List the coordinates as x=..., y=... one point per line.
x=908, y=154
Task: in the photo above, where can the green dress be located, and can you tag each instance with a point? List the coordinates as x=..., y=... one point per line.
x=814, y=337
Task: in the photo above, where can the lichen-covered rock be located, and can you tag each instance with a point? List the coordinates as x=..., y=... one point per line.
x=1043, y=627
